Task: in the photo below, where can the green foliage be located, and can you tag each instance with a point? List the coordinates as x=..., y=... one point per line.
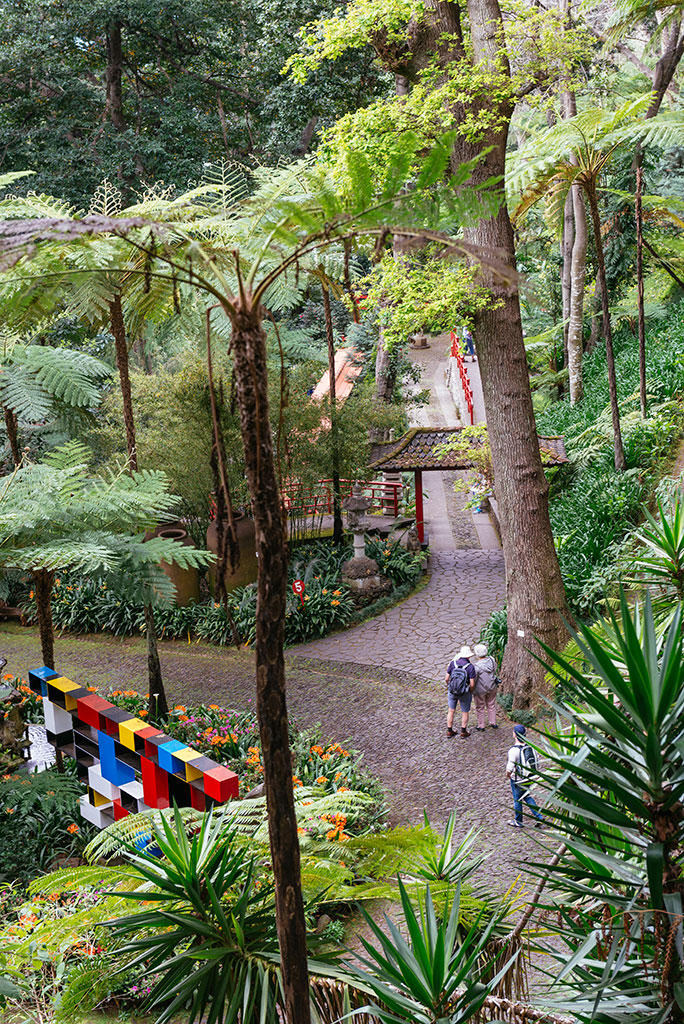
x=38, y=822
x=429, y=976
x=592, y=507
x=395, y=562
x=207, y=927
x=422, y=293
x=494, y=634
x=54, y=516
x=614, y=795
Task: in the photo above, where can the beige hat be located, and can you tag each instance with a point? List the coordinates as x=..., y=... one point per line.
x=465, y=652
x=481, y=650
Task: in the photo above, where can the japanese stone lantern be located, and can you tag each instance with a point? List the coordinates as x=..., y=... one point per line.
x=356, y=506
x=361, y=574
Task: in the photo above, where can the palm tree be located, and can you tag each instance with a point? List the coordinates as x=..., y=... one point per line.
x=235, y=252
x=55, y=517
x=574, y=153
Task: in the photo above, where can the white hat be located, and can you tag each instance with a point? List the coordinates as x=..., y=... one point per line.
x=465, y=652
x=481, y=650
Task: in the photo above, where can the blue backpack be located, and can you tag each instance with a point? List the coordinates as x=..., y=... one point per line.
x=459, y=683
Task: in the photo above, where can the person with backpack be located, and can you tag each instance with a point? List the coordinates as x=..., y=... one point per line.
x=486, y=683
x=521, y=769
x=460, y=680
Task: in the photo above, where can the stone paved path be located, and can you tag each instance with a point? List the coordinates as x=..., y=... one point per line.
x=420, y=634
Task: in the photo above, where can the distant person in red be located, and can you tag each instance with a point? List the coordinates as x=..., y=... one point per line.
x=469, y=343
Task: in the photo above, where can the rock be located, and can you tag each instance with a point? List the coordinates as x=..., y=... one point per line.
x=322, y=923
x=362, y=577
x=255, y=793
x=360, y=568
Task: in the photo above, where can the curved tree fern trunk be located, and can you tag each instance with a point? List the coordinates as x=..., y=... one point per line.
x=249, y=349
x=338, y=529
x=619, y=451
x=159, y=706
x=12, y=435
x=577, y=274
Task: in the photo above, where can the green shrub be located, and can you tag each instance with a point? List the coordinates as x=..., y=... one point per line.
x=494, y=634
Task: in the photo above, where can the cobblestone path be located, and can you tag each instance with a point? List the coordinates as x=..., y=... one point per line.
x=421, y=634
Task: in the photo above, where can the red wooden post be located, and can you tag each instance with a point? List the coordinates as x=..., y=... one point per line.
x=420, y=525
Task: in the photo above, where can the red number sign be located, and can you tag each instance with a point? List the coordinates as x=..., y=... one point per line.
x=298, y=587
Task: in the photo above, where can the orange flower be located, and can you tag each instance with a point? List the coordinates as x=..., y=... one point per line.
x=337, y=593
x=117, y=693
x=296, y=782
x=93, y=689
x=181, y=718
x=300, y=830
x=142, y=713
x=6, y=778
x=324, y=590
x=215, y=740
x=73, y=828
x=317, y=750
x=343, y=789
x=214, y=707
x=31, y=595
x=10, y=810
x=180, y=707
x=321, y=779
x=334, y=602
x=8, y=675
x=325, y=757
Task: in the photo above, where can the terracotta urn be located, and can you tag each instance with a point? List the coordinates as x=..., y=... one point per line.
x=186, y=581
x=246, y=571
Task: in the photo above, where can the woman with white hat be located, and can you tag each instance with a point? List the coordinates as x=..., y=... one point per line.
x=460, y=680
x=486, y=682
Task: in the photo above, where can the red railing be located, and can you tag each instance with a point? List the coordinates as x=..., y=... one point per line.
x=465, y=379
x=318, y=500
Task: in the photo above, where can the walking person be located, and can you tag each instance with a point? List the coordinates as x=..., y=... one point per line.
x=486, y=682
x=521, y=769
x=460, y=680
x=469, y=342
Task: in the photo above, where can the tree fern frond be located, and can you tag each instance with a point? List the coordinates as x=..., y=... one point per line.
x=97, y=876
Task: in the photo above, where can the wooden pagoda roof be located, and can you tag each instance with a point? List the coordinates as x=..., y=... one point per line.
x=419, y=449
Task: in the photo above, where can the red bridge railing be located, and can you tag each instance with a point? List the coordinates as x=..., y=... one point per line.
x=463, y=373
x=318, y=500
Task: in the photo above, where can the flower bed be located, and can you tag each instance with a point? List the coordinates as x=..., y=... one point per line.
x=85, y=605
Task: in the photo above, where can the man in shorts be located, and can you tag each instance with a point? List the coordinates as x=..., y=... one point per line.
x=456, y=682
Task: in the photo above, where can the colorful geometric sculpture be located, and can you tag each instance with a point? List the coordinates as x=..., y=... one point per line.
x=127, y=765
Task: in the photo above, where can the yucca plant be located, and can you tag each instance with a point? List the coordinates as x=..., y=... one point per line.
x=432, y=976
x=659, y=563
x=616, y=796
x=208, y=927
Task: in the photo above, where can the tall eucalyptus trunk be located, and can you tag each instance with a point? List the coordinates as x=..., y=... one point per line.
x=249, y=351
x=576, y=312
x=534, y=586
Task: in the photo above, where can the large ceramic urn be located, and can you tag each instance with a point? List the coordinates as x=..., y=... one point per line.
x=186, y=581
x=246, y=571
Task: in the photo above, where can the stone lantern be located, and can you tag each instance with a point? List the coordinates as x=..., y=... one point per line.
x=361, y=574
x=356, y=506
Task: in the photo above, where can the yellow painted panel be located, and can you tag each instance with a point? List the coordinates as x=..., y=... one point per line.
x=128, y=729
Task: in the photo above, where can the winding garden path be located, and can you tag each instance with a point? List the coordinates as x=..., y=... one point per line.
x=378, y=687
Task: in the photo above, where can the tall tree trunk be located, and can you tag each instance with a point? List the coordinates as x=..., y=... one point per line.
x=159, y=706
x=619, y=451
x=567, y=246
x=158, y=703
x=578, y=273
x=534, y=586
x=12, y=437
x=118, y=329
x=338, y=530
x=113, y=76
x=42, y=585
x=249, y=348
x=643, y=398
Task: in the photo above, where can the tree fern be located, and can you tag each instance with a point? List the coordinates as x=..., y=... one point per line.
x=95, y=876
x=114, y=840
